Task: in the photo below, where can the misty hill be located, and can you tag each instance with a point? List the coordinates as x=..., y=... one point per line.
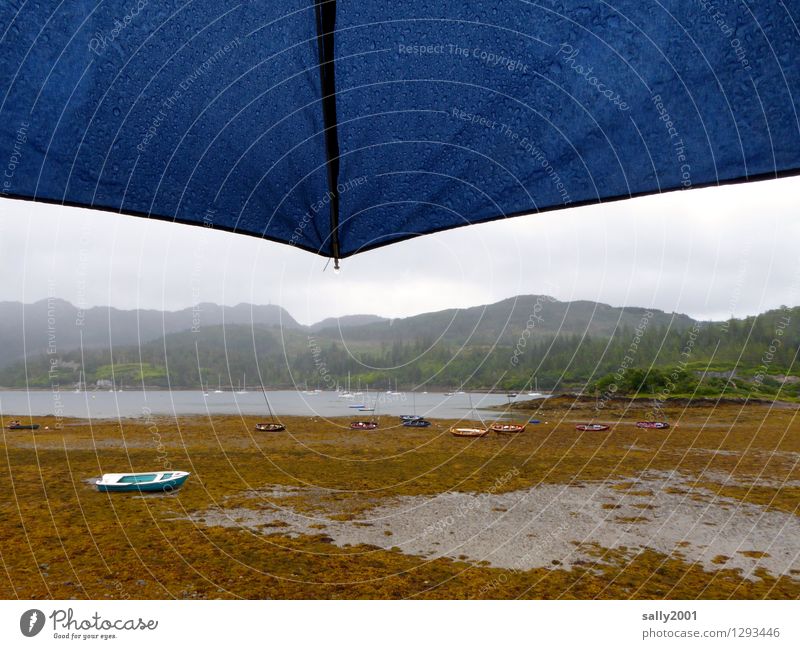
x=503, y=322
x=346, y=321
x=500, y=346
x=59, y=326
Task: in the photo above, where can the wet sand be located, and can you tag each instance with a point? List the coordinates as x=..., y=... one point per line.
x=551, y=525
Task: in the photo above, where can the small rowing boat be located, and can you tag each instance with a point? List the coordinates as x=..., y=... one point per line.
x=270, y=428
x=658, y=425
x=148, y=482
x=469, y=432
x=416, y=423
x=16, y=425
x=591, y=427
x=363, y=425
x=508, y=429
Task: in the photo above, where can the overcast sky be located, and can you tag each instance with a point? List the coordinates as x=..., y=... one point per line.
x=709, y=253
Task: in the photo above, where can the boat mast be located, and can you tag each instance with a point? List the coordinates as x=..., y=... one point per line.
x=269, y=408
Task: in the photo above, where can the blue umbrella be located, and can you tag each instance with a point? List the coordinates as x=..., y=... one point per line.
x=342, y=126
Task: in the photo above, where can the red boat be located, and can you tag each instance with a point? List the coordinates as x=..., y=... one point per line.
x=591, y=427
x=270, y=428
x=658, y=425
x=508, y=429
x=363, y=425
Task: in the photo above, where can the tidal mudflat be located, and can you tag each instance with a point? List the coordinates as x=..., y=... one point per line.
x=708, y=508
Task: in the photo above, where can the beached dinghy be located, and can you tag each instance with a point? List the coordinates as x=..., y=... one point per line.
x=158, y=481
x=508, y=429
x=17, y=425
x=591, y=427
x=469, y=432
x=416, y=423
x=270, y=428
x=658, y=425
x=363, y=425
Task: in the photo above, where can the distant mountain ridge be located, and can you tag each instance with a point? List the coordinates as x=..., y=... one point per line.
x=346, y=321
x=510, y=345
x=58, y=326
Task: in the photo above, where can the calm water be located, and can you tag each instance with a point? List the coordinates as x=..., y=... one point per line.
x=102, y=405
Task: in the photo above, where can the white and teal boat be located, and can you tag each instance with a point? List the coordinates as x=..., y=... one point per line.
x=158, y=481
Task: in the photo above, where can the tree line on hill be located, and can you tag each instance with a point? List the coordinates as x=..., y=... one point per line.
x=755, y=355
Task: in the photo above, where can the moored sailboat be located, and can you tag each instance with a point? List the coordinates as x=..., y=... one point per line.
x=469, y=431
x=271, y=426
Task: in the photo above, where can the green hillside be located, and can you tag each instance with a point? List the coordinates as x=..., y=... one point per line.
x=620, y=352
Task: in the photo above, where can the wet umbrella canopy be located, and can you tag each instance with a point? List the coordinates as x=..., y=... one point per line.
x=342, y=126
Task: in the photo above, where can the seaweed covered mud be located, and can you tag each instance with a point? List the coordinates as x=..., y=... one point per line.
x=705, y=509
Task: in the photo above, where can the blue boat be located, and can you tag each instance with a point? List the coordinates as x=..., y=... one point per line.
x=534, y=421
x=142, y=482
x=416, y=423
